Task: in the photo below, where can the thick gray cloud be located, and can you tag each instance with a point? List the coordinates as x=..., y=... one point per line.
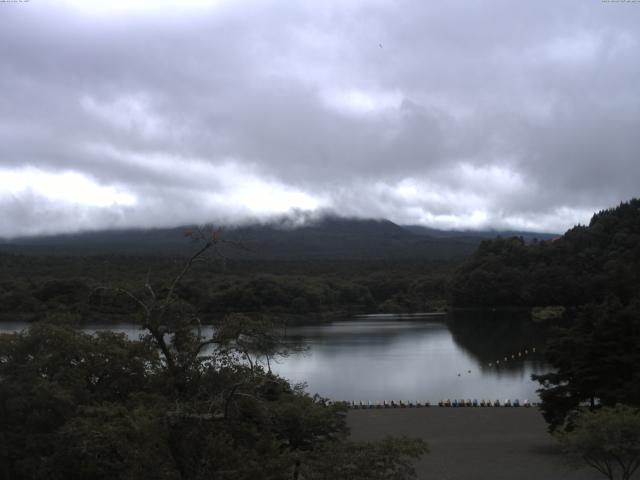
x=450, y=114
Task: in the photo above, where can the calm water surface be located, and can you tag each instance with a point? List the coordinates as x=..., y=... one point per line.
x=385, y=358
x=417, y=359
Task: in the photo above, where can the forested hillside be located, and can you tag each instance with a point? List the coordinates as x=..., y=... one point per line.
x=586, y=264
x=593, y=269
x=34, y=287
x=328, y=238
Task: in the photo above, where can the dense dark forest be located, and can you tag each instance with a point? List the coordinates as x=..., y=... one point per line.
x=596, y=359
x=35, y=286
x=332, y=266
x=586, y=264
x=593, y=274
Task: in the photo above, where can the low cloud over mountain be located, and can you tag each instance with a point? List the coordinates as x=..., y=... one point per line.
x=466, y=115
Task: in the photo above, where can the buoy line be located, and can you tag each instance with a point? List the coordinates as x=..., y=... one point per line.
x=513, y=356
x=448, y=403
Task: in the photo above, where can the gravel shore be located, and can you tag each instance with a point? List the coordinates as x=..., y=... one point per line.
x=473, y=443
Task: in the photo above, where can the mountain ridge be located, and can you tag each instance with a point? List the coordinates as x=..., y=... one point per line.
x=330, y=237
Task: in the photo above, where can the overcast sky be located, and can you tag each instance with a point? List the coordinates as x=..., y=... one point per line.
x=452, y=114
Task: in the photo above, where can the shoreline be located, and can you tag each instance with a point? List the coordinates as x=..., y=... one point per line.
x=472, y=443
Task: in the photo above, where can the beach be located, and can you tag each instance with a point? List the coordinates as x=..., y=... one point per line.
x=473, y=443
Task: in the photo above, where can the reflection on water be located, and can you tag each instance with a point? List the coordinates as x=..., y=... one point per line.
x=417, y=359
x=490, y=336
x=422, y=359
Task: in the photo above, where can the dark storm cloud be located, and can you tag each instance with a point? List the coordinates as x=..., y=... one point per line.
x=452, y=114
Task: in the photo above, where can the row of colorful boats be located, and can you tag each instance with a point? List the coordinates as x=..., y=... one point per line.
x=455, y=403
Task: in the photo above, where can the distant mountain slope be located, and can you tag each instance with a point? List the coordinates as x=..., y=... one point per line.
x=586, y=264
x=328, y=238
x=481, y=234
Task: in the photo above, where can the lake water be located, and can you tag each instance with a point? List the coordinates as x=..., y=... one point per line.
x=414, y=358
